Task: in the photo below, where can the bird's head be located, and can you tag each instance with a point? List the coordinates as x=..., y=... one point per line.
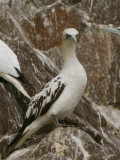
x=70, y=36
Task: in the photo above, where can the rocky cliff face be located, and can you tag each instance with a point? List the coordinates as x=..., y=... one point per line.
x=33, y=28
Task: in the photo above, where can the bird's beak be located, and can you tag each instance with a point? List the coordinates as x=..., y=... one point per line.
x=74, y=39
x=112, y=30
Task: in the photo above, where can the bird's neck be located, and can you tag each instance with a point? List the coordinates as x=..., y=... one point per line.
x=69, y=53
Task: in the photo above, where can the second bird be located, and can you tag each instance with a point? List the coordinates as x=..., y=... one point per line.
x=10, y=69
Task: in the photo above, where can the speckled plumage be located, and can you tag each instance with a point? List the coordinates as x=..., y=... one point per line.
x=42, y=101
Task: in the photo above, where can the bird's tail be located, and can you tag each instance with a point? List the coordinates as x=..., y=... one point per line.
x=11, y=147
x=25, y=132
x=22, y=78
x=16, y=83
x=17, y=141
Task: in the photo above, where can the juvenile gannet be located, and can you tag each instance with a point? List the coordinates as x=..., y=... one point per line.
x=59, y=96
x=10, y=68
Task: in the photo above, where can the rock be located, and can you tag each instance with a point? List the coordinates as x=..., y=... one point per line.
x=33, y=31
x=76, y=145
x=37, y=27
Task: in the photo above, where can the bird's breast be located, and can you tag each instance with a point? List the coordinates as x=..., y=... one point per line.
x=75, y=75
x=75, y=80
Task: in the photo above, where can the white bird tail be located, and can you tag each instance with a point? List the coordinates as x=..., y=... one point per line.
x=26, y=131
x=16, y=83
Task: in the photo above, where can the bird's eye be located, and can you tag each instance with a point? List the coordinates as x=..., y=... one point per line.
x=77, y=35
x=68, y=36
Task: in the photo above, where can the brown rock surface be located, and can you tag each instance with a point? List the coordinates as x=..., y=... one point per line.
x=29, y=24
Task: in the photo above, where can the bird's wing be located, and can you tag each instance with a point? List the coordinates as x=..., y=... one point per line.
x=8, y=60
x=39, y=105
x=42, y=102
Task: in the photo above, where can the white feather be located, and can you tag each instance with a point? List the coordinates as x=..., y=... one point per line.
x=15, y=83
x=8, y=60
x=8, y=63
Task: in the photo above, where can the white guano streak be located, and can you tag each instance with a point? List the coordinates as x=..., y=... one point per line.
x=80, y=145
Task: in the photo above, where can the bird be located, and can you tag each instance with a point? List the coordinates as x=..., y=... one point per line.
x=60, y=95
x=10, y=68
x=112, y=30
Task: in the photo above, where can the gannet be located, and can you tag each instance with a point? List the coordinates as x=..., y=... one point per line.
x=59, y=97
x=10, y=68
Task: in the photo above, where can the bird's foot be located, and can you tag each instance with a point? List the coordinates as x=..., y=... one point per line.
x=65, y=125
x=57, y=124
